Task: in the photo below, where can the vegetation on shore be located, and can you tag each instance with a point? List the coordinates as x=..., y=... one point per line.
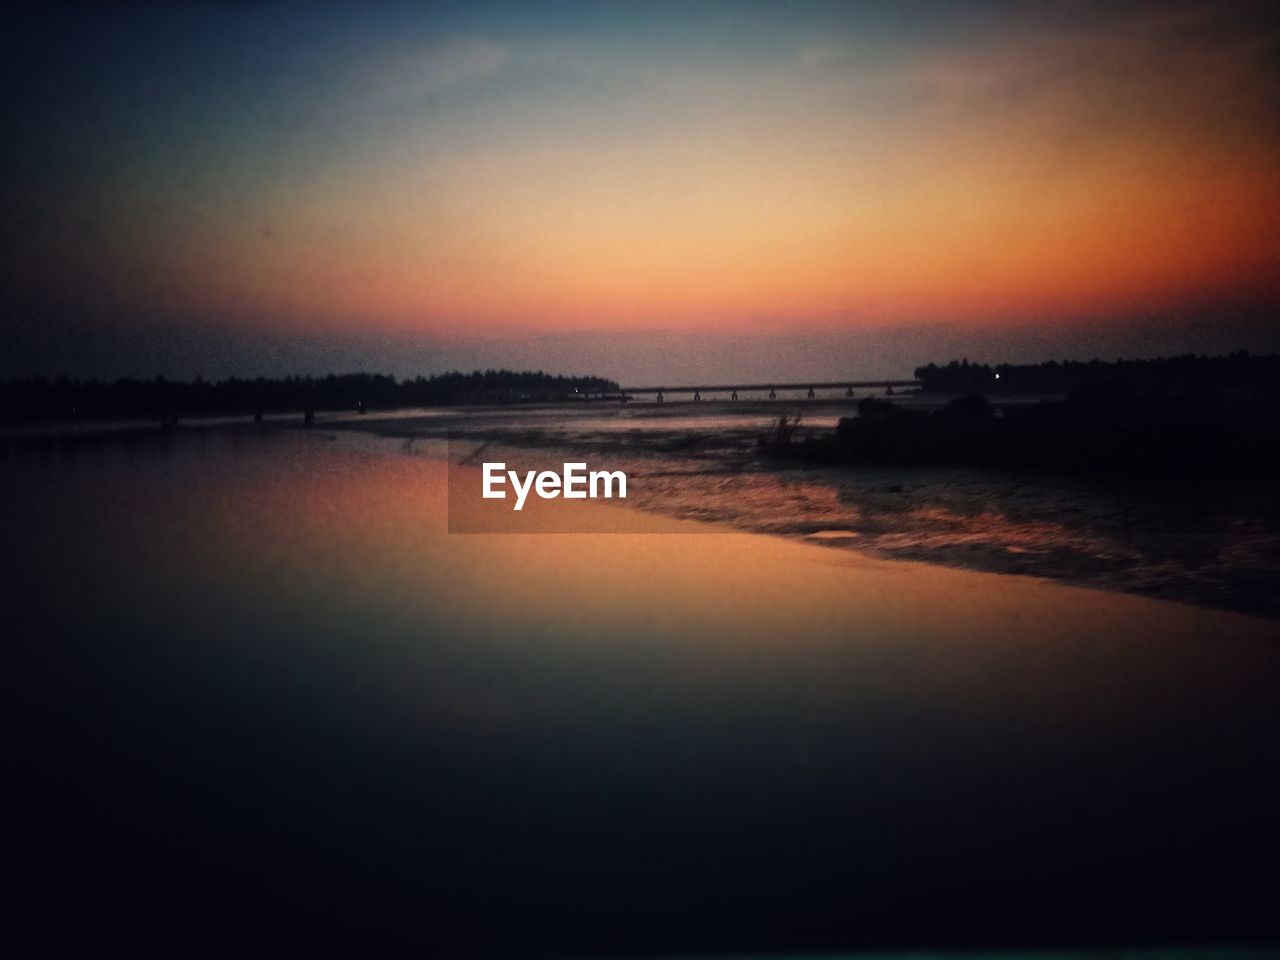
x=1111, y=427
x=1239, y=370
x=62, y=398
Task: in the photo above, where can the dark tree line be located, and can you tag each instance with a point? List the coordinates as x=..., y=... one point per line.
x=1106, y=429
x=41, y=398
x=1240, y=370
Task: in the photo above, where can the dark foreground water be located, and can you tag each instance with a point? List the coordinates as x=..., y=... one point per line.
x=253, y=684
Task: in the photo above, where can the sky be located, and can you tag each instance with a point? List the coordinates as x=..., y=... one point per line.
x=639, y=190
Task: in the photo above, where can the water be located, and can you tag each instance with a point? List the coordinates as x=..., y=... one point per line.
x=254, y=681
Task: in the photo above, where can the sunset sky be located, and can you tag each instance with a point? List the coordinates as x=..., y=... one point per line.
x=279, y=186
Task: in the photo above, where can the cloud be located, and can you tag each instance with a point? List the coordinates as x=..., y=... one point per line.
x=439, y=68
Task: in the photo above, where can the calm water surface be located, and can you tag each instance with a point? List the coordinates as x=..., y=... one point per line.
x=252, y=678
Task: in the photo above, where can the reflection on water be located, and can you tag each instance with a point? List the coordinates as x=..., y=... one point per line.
x=256, y=679
x=1217, y=545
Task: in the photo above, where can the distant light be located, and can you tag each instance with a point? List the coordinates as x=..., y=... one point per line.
x=997, y=376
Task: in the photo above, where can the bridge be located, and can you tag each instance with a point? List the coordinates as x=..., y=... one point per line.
x=697, y=390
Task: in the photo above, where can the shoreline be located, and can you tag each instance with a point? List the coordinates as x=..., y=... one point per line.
x=426, y=433
x=838, y=549
x=835, y=534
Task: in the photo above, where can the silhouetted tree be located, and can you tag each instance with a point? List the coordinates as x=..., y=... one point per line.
x=41, y=399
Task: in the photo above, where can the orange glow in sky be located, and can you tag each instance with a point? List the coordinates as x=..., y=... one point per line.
x=497, y=176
